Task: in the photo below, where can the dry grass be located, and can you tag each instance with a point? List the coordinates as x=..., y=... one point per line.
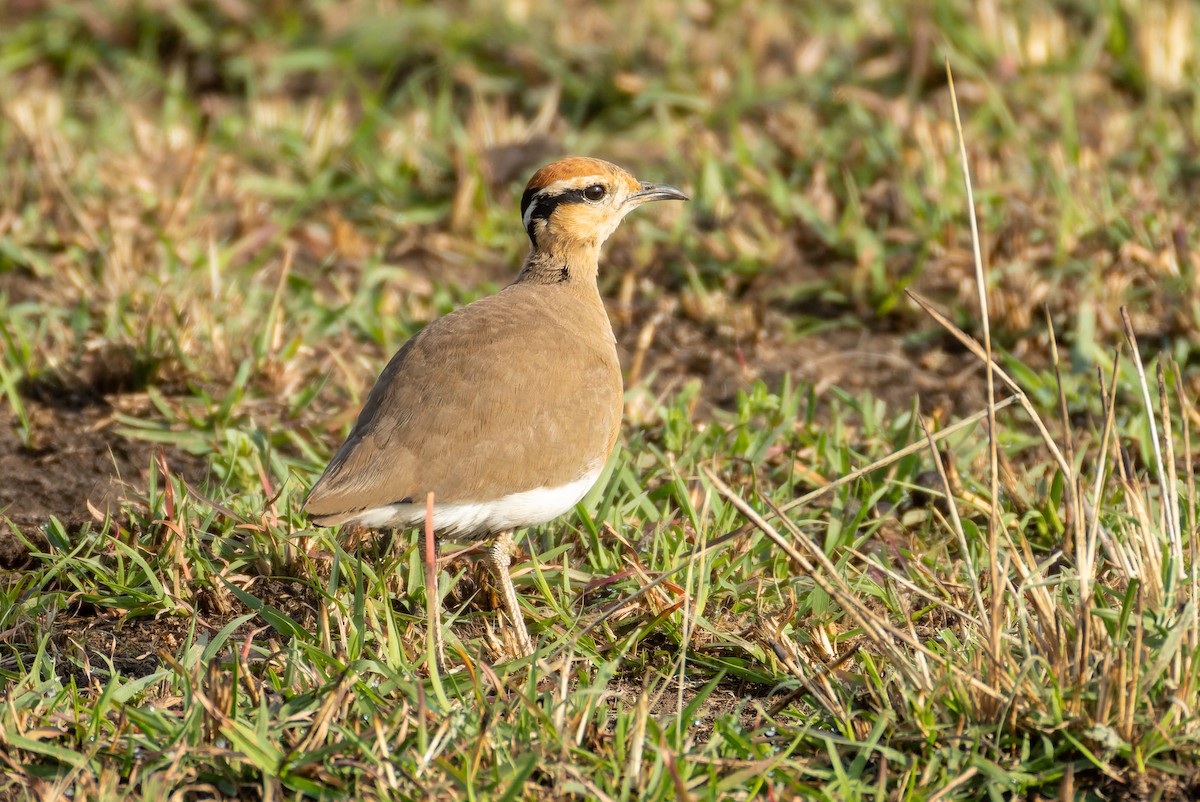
x=218, y=220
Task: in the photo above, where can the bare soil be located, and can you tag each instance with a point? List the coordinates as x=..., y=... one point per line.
x=95, y=636
x=73, y=459
x=855, y=359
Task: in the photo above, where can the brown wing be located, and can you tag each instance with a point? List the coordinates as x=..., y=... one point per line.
x=513, y=392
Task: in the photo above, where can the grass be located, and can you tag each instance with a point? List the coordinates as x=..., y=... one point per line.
x=217, y=221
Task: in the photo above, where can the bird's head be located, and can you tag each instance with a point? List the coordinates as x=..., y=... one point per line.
x=578, y=202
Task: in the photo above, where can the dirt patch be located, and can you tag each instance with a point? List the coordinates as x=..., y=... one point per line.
x=65, y=459
x=91, y=638
x=132, y=645
x=72, y=457
x=1152, y=784
x=668, y=347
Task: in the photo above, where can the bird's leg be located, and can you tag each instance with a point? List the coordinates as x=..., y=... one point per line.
x=497, y=560
x=427, y=548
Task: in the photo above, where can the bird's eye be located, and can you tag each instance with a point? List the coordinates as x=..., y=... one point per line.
x=595, y=192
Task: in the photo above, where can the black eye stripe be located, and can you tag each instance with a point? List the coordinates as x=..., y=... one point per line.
x=544, y=206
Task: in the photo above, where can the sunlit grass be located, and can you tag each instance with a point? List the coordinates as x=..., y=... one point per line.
x=217, y=222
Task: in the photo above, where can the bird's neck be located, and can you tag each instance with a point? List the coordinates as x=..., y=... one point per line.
x=576, y=264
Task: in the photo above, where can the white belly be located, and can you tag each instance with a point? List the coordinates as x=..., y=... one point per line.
x=483, y=518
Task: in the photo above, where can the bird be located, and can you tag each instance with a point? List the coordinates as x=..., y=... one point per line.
x=507, y=409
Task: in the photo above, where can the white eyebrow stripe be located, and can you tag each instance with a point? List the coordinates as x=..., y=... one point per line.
x=527, y=218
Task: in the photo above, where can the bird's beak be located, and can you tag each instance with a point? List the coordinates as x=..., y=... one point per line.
x=655, y=192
